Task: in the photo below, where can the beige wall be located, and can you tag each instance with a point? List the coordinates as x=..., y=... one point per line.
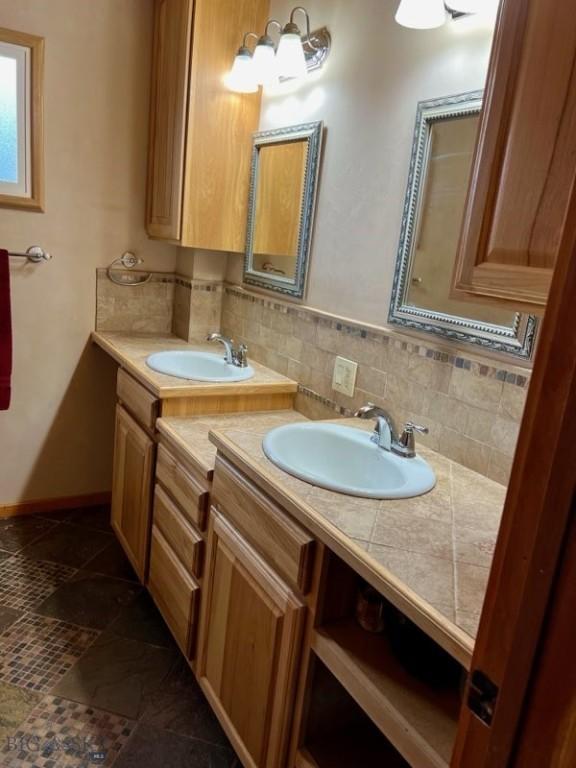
x=366, y=94
x=56, y=440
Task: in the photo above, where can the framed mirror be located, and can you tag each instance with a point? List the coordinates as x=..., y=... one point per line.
x=283, y=185
x=440, y=167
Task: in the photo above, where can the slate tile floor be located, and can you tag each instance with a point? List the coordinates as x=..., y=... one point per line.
x=89, y=673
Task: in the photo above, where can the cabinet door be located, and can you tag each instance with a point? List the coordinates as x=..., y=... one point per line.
x=220, y=127
x=525, y=161
x=132, y=489
x=168, y=105
x=249, y=646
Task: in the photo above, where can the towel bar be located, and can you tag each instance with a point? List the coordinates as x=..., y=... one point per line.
x=35, y=254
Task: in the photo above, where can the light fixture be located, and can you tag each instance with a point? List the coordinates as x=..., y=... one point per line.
x=487, y=8
x=242, y=76
x=296, y=55
x=466, y=6
x=265, y=65
x=291, y=59
x=421, y=14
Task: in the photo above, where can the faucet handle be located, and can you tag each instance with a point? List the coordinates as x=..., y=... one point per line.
x=405, y=445
x=411, y=427
x=242, y=356
x=366, y=411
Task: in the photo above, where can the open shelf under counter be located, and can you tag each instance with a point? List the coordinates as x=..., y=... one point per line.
x=349, y=750
x=419, y=720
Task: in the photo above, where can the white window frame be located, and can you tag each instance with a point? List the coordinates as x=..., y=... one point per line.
x=22, y=56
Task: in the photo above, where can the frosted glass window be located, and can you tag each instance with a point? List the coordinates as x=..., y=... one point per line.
x=15, y=144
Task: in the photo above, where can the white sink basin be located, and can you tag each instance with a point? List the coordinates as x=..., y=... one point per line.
x=198, y=366
x=344, y=459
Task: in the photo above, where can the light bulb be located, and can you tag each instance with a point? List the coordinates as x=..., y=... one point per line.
x=290, y=58
x=241, y=77
x=264, y=60
x=421, y=14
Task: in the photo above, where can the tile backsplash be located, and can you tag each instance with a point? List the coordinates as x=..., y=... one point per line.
x=145, y=308
x=167, y=303
x=472, y=406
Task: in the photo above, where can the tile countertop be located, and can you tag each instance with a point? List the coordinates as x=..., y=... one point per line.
x=130, y=350
x=430, y=555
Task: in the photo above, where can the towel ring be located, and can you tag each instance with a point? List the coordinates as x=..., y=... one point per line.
x=128, y=260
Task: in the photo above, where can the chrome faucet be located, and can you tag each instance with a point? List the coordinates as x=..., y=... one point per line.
x=385, y=435
x=237, y=357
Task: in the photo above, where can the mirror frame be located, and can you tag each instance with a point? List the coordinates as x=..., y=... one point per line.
x=516, y=340
x=312, y=133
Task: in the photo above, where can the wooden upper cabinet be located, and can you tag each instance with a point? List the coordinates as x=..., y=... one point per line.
x=200, y=132
x=169, y=99
x=525, y=161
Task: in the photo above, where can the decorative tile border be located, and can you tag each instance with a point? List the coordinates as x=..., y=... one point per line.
x=383, y=336
x=339, y=409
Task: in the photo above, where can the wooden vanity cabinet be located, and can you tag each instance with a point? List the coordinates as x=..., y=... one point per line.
x=250, y=636
x=134, y=453
x=200, y=132
x=525, y=162
x=174, y=590
x=177, y=545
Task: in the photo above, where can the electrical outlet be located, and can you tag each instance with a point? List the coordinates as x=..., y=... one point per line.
x=344, y=378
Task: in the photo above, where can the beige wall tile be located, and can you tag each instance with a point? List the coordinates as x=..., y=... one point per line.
x=504, y=435
x=403, y=393
x=469, y=416
x=371, y=380
x=464, y=450
x=481, y=391
x=479, y=424
x=429, y=373
x=499, y=467
x=513, y=401
x=313, y=409
x=447, y=411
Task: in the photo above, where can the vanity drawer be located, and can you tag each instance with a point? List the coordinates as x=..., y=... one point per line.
x=186, y=542
x=136, y=399
x=286, y=546
x=175, y=592
x=190, y=495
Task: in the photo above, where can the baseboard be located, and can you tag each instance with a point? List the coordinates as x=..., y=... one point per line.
x=53, y=505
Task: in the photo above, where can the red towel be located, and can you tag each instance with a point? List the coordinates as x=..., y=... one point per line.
x=5, y=332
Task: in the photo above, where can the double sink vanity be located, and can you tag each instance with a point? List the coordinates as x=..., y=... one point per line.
x=258, y=570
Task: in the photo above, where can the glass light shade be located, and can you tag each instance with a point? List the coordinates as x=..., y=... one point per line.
x=290, y=59
x=466, y=6
x=421, y=14
x=486, y=7
x=264, y=60
x=242, y=76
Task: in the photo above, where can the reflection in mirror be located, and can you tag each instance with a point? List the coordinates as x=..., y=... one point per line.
x=442, y=153
x=281, y=208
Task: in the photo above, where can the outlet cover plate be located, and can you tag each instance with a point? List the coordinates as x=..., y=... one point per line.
x=344, y=377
